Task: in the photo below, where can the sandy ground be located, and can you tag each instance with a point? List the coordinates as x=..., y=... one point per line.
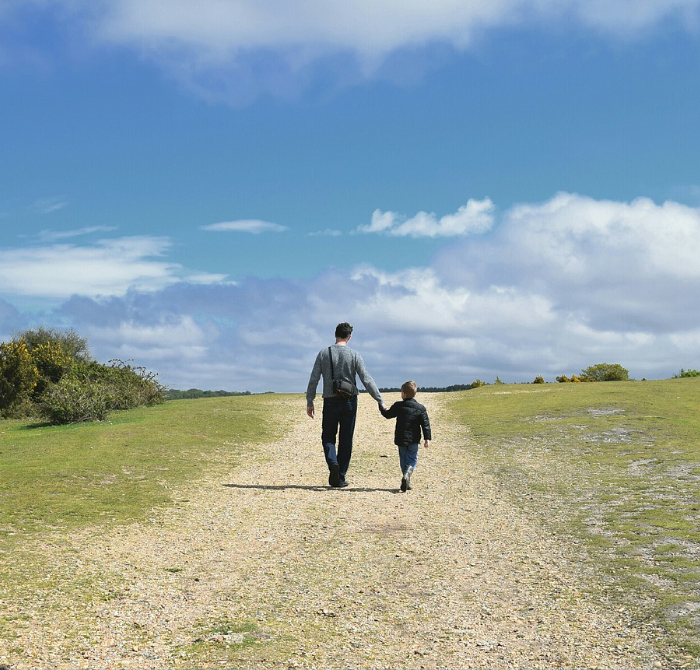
x=263, y=565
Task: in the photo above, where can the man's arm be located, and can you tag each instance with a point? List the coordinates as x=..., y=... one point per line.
x=313, y=384
x=367, y=380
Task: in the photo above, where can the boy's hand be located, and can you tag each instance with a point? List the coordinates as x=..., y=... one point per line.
x=383, y=406
x=426, y=444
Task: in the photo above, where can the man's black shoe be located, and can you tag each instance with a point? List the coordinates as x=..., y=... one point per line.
x=403, y=483
x=343, y=483
x=334, y=476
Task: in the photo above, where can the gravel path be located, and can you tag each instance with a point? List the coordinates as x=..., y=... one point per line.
x=262, y=565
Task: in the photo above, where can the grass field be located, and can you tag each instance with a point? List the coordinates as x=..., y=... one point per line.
x=68, y=477
x=613, y=467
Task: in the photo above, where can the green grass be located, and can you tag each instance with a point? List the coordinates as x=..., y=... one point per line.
x=68, y=477
x=615, y=467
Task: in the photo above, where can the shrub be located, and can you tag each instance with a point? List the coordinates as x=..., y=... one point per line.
x=687, y=373
x=563, y=379
x=605, y=372
x=539, y=380
x=18, y=375
x=126, y=386
x=73, y=400
x=52, y=362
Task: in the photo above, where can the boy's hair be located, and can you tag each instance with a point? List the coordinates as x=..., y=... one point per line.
x=409, y=389
x=343, y=331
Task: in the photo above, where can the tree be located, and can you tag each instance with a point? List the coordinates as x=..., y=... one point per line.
x=73, y=345
x=605, y=372
x=539, y=380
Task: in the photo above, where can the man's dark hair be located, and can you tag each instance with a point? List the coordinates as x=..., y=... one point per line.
x=343, y=331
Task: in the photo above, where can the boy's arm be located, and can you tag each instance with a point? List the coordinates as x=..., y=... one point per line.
x=425, y=425
x=388, y=413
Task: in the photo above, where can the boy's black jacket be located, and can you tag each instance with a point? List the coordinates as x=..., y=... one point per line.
x=411, y=416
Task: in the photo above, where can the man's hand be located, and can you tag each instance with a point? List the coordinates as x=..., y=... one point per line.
x=383, y=406
x=426, y=444
x=310, y=411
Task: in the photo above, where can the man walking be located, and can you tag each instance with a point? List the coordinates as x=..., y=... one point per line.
x=339, y=363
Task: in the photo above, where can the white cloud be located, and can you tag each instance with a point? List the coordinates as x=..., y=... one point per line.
x=236, y=50
x=473, y=218
x=216, y=29
x=177, y=340
x=205, y=278
x=252, y=226
x=553, y=288
x=328, y=232
x=109, y=267
x=49, y=205
x=54, y=235
x=629, y=266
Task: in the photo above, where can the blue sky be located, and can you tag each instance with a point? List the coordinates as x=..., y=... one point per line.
x=482, y=188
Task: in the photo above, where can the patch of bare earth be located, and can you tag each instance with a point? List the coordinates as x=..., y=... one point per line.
x=263, y=565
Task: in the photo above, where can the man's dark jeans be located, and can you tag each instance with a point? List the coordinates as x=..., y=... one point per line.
x=338, y=413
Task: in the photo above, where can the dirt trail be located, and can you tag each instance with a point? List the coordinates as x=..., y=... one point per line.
x=264, y=566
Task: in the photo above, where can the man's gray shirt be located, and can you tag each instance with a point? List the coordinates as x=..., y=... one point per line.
x=346, y=364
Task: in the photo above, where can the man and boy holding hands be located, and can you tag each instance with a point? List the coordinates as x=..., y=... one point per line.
x=339, y=365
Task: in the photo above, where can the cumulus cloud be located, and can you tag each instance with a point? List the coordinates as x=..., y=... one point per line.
x=554, y=287
x=252, y=226
x=474, y=217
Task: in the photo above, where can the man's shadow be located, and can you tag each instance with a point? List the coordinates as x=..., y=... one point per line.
x=282, y=487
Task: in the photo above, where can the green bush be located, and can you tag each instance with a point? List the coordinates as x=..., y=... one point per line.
x=687, y=373
x=605, y=372
x=126, y=385
x=18, y=376
x=538, y=380
x=73, y=400
x=52, y=362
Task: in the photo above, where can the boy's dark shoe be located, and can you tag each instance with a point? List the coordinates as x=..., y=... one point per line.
x=334, y=476
x=403, y=483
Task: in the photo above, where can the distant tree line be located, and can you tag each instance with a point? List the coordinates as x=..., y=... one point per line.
x=175, y=394
x=441, y=389
x=49, y=374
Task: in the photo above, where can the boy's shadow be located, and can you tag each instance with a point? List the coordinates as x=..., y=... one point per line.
x=282, y=487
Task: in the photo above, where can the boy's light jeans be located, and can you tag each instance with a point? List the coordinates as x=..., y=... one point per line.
x=408, y=457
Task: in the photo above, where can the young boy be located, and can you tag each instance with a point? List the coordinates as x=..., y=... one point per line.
x=411, y=417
